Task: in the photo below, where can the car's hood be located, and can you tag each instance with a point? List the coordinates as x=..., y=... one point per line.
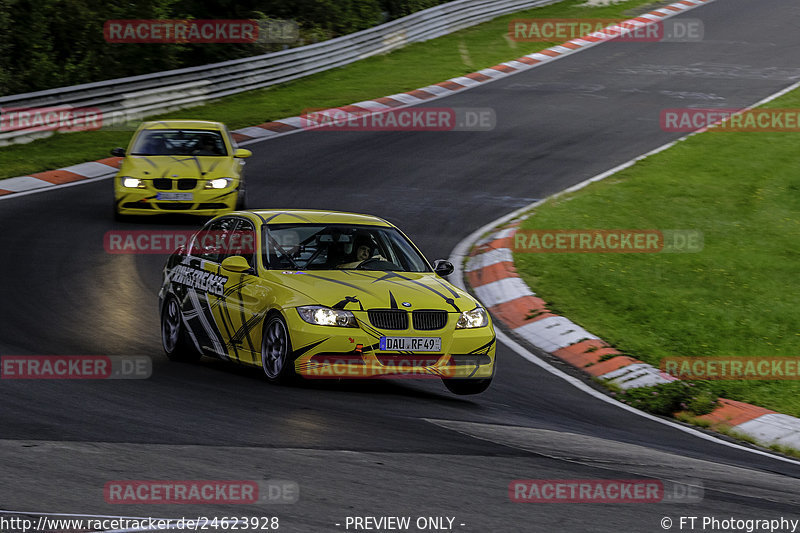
x=167, y=166
x=363, y=289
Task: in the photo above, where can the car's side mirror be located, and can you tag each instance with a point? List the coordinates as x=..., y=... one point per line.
x=241, y=153
x=443, y=267
x=118, y=152
x=235, y=263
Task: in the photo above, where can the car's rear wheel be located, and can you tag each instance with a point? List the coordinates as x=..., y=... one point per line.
x=174, y=338
x=276, y=346
x=464, y=387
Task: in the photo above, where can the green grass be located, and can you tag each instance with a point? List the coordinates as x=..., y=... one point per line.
x=735, y=298
x=412, y=67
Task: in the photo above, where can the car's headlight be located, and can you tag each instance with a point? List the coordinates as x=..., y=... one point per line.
x=132, y=183
x=219, y=183
x=325, y=316
x=477, y=318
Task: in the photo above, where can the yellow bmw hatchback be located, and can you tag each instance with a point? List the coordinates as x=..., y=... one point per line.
x=180, y=166
x=322, y=295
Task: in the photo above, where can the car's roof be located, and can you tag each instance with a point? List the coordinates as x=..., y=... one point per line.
x=182, y=124
x=313, y=216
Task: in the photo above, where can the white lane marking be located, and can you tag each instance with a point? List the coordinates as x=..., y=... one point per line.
x=405, y=98
x=502, y=291
x=489, y=258
x=23, y=183
x=492, y=73
x=553, y=333
x=517, y=65
x=436, y=90
x=461, y=252
x=402, y=97
x=371, y=105
x=91, y=169
x=773, y=428
x=296, y=122
x=542, y=57
x=502, y=337
x=502, y=234
x=256, y=133
x=467, y=82
x=53, y=188
x=637, y=375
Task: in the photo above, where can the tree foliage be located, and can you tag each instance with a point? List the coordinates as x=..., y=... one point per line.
x=46, y=44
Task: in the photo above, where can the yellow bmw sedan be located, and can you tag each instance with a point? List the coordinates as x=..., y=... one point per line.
x=180, y=166
x=322, y=295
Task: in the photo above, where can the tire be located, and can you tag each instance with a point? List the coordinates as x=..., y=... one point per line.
x=275, y=349
x=464, y=387
x=174, y=338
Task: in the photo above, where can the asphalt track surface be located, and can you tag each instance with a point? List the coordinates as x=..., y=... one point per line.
x=391, y=448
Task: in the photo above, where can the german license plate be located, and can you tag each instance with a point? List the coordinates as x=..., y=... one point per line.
x=411, y=344
x=175, y=196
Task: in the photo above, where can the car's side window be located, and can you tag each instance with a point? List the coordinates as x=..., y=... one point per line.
x=210, y=243
x=242, y=241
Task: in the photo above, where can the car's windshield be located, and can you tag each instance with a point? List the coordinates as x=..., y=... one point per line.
x=339, y=247
x=179, y=142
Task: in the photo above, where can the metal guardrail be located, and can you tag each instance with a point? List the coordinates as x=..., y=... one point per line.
x=130, y=99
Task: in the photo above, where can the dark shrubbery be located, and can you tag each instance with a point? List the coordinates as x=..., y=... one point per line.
x=670, y=398
x=54, y=43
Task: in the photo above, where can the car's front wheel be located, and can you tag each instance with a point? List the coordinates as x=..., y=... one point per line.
x=464, y=387
x=276, y=347
x=174, y=338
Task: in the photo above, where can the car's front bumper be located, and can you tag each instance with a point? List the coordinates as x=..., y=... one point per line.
x=324, y=352
x=207, y=202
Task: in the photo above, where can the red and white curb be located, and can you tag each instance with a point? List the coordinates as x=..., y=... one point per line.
x=491, y=274
x=106, y=168
x=102, y=168
x=489, y=269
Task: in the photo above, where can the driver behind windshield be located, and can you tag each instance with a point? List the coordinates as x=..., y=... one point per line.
x=206, y=145
x=363, y=250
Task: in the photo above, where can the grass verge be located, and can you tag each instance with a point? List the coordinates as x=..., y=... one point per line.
x=735, y=298
x=409, y=68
